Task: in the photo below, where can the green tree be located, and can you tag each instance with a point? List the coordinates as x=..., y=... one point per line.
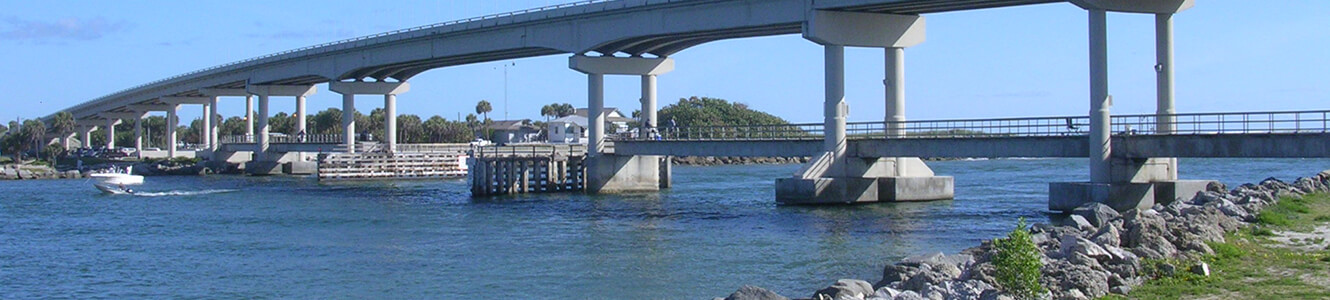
x=328, y=121
x=547, y=111
x=483, y=107
x=564, y=110
x=410, y=129
x=232, y=126
x=1017, y=263
x=62, y=124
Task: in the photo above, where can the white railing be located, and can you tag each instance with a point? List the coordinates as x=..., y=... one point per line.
x=1317, y=121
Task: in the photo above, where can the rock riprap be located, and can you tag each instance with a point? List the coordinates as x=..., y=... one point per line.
x=1097, y=252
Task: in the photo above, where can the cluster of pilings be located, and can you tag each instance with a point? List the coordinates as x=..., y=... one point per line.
x=500, y=175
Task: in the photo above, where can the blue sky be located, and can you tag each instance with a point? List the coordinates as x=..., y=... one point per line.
x=1232, y=55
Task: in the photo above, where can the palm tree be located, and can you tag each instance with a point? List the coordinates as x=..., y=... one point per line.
x=564, y=110
x=62, y=124
x=32, y=134
x=547, y=111
x=483, y=107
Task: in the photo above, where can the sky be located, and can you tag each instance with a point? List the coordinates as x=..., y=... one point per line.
x=1231, y=55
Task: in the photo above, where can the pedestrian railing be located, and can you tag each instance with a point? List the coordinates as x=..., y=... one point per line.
x=278, y=138
x=1181, y=124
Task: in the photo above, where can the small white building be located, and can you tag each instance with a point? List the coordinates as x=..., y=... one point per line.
x=573, y=129
x=567, y=130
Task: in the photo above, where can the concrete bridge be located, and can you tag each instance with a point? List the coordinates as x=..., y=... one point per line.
x=637, y=38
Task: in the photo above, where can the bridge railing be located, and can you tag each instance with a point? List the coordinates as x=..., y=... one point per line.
x=1190, y=123
x=333, y=46
x=739, y=132
x=278, y=138
x=433, y=148
x=1312, y=121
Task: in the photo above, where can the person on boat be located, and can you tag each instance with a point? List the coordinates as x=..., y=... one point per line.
x=127, y=190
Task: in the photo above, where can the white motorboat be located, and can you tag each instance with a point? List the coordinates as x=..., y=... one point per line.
x=116, y=180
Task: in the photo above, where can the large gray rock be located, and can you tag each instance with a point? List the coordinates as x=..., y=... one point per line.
x=749, y=292
x=885, y=293
x=1147, y=235
x=846, y=289
x=896, y=273
x=1065, y=276
x=1077, y=245
x=1107, y=236
x=925, y=278
x=1097, y=213
x=909, y=295
x=1080, y=223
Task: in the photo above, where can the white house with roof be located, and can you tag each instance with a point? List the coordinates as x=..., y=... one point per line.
x=572, y=129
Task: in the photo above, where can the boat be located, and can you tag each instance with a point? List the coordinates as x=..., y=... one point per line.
x=116, y=181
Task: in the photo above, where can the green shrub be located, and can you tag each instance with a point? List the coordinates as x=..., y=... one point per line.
x=1225, y=251
x=1269, y=217
x=1017, y=263
x=1322, y=219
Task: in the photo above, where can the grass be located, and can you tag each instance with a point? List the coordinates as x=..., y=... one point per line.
x=1249, y=265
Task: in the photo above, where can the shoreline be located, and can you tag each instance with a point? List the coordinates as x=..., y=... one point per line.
x=1098, y=252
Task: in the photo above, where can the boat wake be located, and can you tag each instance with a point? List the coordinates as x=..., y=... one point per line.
x=182, y=193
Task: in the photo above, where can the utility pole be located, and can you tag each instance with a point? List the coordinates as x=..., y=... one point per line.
x=505, y=89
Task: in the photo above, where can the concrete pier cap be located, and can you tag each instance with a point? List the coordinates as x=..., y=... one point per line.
x=369, y=88
x=610, y=65
x=281, y=90
x=857, y=29
x=1137, y=6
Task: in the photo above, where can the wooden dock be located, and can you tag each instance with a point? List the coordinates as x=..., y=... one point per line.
x=527, y=169
x=505, y=175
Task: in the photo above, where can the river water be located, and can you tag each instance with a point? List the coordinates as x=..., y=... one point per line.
x=717, y=229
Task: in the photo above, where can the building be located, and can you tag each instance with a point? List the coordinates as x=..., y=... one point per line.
x=512, y=132
x=572, y=129
x=612, y=116
x=567, y=130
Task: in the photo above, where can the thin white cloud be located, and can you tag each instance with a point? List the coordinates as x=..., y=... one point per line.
x=14, y=28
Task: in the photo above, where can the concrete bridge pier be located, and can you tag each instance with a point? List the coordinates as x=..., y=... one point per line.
x=213, y=95
x=263, y=163
x=137, y=116
x=836, y=176
x=606, y=172
x=173, y=118
x=389, y=90
x=1126, y=183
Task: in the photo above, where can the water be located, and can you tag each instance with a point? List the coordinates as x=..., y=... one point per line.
x=285, y=237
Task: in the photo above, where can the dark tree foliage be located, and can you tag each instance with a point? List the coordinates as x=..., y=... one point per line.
x=703, y=111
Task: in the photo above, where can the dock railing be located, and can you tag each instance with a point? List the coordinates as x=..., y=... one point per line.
x=1270, y=122
x=529, y=150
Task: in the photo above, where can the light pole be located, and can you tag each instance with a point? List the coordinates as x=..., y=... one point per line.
x=505, y=88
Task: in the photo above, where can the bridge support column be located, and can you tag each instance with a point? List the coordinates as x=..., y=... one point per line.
x=1164, y=82
x=606, y=172
x=1126, y=183
x=390, y=122
x=207, y=123
x=172, y=121
x=249, y=115
x=138, y=138
x=265, y=163
x=349, y=121
x=214, y=121
x=649, y=120
x=389, y=90
x=835, y=176
x=85, y=135
x=110, y=133
x=300, y=114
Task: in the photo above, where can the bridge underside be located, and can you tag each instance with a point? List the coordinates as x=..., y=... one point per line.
x=1279, y=145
